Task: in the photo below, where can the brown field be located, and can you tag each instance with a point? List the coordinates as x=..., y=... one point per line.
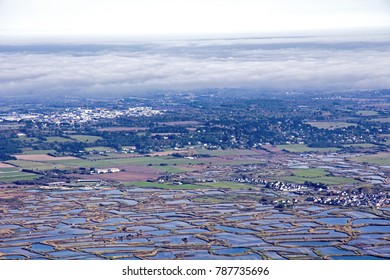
x=41, y=157
x=132, y=173
x=272, y=149
x=123, y=128
x=4, y=165
x=180, y=123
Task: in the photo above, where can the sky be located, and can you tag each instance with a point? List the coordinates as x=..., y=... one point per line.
x=272, y=45
x=183, y=17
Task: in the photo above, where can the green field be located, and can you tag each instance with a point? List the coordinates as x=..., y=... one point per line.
x=328, y=180
x=37, y=152
x=228, y=152
x=85, y=138
x=302, y=148
x=12, y=176
x=58, y=139
x=379, y=159
x=331, y=125
x=361, y=145
x=8, y=169
x=28, y=139
x=33, y=165
x=235, y=161
x=228, y=185
x=114, y=162
x=366, y=113
x=45, y=165
x=162, y=186
x=317, y=175
x=96, y=157
x=381, y=120
x=311, y=172
x=169, y=169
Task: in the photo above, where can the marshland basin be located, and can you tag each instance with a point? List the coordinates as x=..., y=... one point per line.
x=139, y=223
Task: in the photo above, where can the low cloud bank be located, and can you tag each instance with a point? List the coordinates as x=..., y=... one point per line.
x=282, y=64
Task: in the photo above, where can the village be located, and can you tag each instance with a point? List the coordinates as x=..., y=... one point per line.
x=79, y=115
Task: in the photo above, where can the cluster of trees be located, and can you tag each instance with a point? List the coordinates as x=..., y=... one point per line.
x=8, y=145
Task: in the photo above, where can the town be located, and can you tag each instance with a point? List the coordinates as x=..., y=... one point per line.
x=78, y=115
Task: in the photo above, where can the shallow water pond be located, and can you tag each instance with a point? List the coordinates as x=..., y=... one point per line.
x=14, y=257
x=334, y=251
x=239, y=218
x=234, y=229
x=181, y=201
x=370, y=221
x=39, y=247
x=142, y=228
x=175, y=224
x=117, y=249
x=163, y=256
x=356, y=257
x=74, y=221
x=308, y=243
x=116, y=220
x=158, y=232
x=374, y=229
x=231, y=251
x=9, y=226
x=334, y=221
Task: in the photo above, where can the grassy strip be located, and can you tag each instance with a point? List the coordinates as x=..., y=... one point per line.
x=37, y=152
x=85, y=138
x=229, y=185
x=379, y=159
x=169, y=169
x=366, y=113
x=228, y=152
x=317, y=175
x=18, y=176
x=58, y=139
x=162, y=186
x=301, y=148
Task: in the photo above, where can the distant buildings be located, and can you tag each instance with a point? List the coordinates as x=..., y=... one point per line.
x=81, y=115
x=105, y=170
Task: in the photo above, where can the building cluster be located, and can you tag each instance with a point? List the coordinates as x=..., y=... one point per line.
x=15, y=117
x=353, y=200
x=286, y=187
x=81, y=115
x=248, y=180
x=104, y=170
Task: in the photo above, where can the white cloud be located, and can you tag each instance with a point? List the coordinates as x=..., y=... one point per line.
x=271, y=64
